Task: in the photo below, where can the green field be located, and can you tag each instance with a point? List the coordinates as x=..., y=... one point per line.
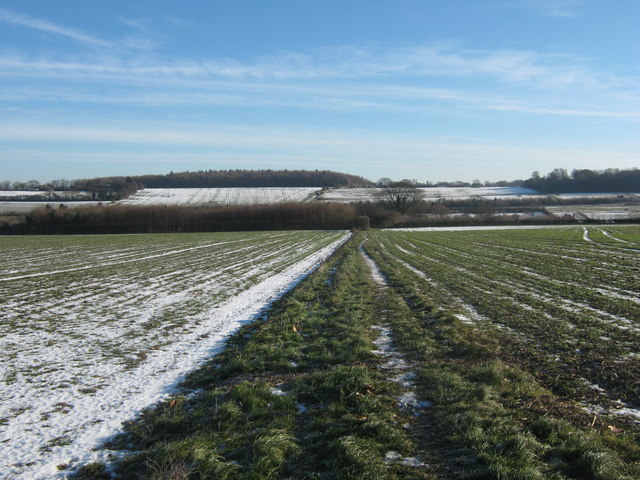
x=463, y=354
x=562, y=303
x=481, y=355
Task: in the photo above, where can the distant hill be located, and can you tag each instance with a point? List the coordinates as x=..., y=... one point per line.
x=116, y=188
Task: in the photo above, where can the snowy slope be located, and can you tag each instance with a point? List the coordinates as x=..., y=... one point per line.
x=220, y=196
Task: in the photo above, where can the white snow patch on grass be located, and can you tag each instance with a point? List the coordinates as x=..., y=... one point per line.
x=613, y=238
x=401, y=371
x=376, y=274
x=392, y=457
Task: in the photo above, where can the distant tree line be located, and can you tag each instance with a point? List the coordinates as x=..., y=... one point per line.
x=585, y=181
x=232, y=178
x=28, y=185
x=175, y=219
x=105, y=189
x=48, y=196
x=383, y=182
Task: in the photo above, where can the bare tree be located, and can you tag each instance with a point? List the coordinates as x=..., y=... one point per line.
x=399, y=196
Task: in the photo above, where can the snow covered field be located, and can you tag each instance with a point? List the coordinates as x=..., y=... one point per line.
x=95, y=328
x=220, y=196
x=431, y=193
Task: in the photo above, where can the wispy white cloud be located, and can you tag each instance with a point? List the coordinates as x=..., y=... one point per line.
x=350, y=78
x=143, y=37
x=20, y=19
x=558, y=8
x=179, y=22
x=566, y=112
x=544, y=70
x=381, y=98
x=408, y=79
x=547, y=8
x=138, y=42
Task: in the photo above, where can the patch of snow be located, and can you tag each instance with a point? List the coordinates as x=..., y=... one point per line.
x=278, y=392
x=392, y=457
x=612, y=237
x=376, y=274
x=412, y=462
x=628, y=412
x=404, y=379
x=410, y=399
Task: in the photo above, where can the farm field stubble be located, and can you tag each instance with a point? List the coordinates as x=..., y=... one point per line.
x=94, y=328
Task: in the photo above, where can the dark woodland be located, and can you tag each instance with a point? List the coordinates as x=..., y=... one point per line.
x=585, y=181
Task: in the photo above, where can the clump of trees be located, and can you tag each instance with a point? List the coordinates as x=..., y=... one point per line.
x=585, y=181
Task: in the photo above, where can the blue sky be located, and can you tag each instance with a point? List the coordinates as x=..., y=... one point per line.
x=425, y=89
